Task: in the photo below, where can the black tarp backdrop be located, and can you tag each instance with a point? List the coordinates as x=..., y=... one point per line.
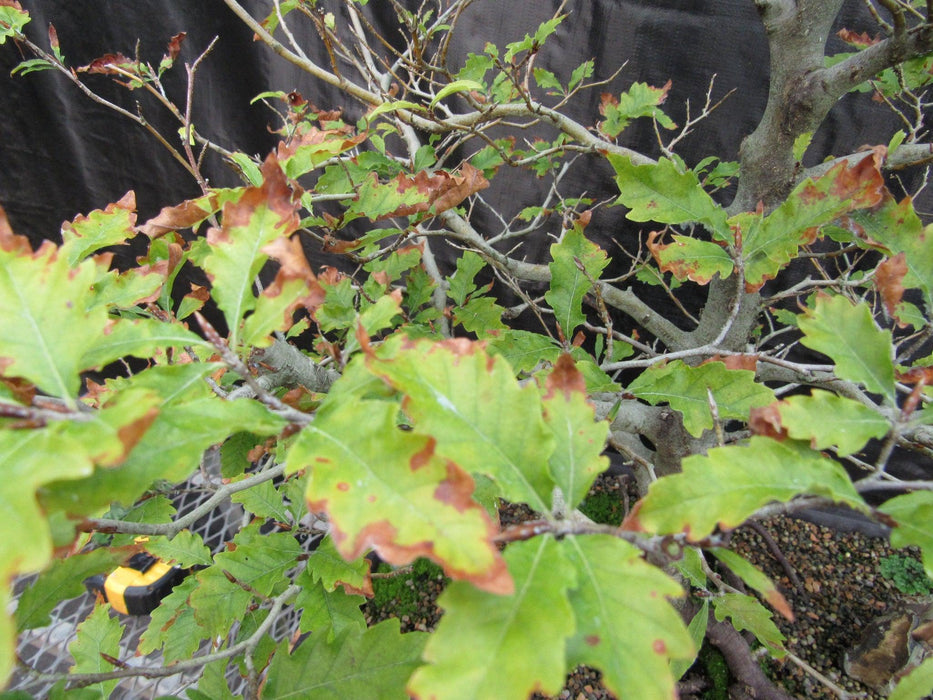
x=62, y=154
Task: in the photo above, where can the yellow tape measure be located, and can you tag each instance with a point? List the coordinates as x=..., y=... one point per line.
x=137, y=587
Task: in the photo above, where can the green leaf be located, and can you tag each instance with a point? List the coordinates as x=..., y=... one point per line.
x=98, y=635
x=746, y=613
x=216, y=602
x=173, y=627
x=916, y=684
x=480, y=315
x=186, y=549
x=233, y=255
x=170, y=449
x=687, y=389
x=847, y=333
x=523, y=350
x=29, y=459
x=570, y=283
x=472, y=405
x=329, y=568
x=387, y=107
x=690, y=258
x=113, y=225
x=640, y=100
x=357, y=664
x=579, y=439
x=386, y=488
x=50, y=323
x=62, y=581
x=143, y=337
x=327, y=612
x=460, y=284
x=546, y=79
x=264, y=501
x=697, y=631
x=531, y=43
x=12, y=21
x=913, y=513
x=728, y=484
x=895, y=227
x=754, y=578
x=626, y=627
x=273, y=311
x=455, y=87
x=665, y=193
x=829, y=420
x=769, y=244
x=507, y=646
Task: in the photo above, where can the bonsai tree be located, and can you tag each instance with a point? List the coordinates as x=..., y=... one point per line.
x=387, y=402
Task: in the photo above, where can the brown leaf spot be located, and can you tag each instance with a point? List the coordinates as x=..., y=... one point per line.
x=132, y=433
x=565, y=378
x=424, y=455
x=889, y=278
x=658, y=646
x=766, y=420
x=592, y=639
x=457, y=489
x=343, y=486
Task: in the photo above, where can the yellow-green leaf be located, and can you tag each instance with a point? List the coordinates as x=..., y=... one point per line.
x=829, y=420
x=503, y=647
x=847, y=333
x=728, y=484
x=687, y=389
x=386, y=488
x=626, y=626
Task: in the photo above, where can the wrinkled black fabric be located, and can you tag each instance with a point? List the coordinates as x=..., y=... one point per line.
x=63, y=154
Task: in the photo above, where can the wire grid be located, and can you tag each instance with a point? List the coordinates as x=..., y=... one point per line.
x=45, y=650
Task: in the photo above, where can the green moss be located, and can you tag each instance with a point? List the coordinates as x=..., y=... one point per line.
x=603, y=507
x=717, y=671
x=401, y=594
x=906, y=573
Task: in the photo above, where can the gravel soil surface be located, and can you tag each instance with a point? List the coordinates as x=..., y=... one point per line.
x=830, y=577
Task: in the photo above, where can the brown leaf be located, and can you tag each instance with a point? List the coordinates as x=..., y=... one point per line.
x=606, y=100
x=174, y=45
x=53, y=37
x=444, y=191
x=108, y=64
x=862, y=40
x=9, y=241
x=748, y=362
x=274, y=193
x=766, y=420
x=22, y=390
x=889, y=278
x=294, y=265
